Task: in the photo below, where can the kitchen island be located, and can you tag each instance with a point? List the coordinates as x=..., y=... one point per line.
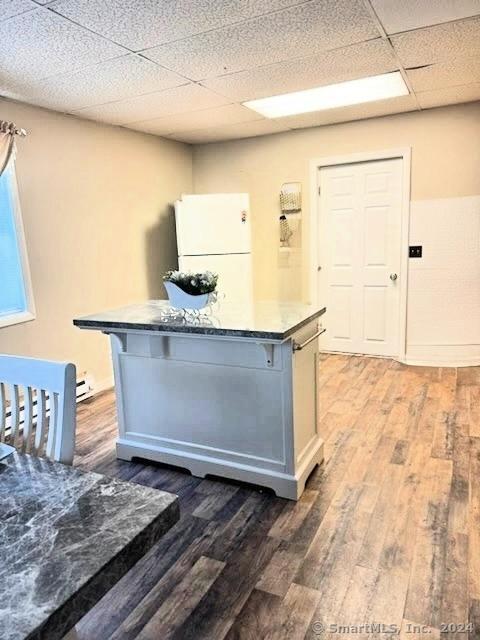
x=230, y=393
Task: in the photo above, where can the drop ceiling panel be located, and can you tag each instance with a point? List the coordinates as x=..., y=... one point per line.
x=139, y=24
x=38, y=44
x=405, y=15
x=300, y=31
x=108, y=81
x=206, y=118
x=231, y=132
x=154, y=105
x=451, y=74
x=201, y=58
x=356, y=112
x=451, y=95
x=437, y=44
x=10, y=8
x=357, y=61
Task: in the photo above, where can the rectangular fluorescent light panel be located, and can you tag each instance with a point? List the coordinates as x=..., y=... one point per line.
x=387, y=85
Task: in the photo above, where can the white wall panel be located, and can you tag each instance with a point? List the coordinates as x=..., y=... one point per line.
x=444, y=285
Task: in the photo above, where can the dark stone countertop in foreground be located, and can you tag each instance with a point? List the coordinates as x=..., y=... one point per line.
x=66, y=537
x=263, y=320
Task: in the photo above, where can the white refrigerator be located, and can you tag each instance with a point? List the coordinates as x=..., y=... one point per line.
x=214, y=234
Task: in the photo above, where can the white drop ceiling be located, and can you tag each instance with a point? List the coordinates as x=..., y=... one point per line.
x=182, y=68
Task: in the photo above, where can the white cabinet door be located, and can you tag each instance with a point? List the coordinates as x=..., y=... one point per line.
x=213, y=223
x=234, y=274
x=360, y=256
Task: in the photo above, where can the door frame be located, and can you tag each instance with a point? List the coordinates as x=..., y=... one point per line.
x=315, y=222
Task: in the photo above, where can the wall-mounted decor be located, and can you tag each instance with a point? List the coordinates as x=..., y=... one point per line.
x=291, y=197
x=285, y=231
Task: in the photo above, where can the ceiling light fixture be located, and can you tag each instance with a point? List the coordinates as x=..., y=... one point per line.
x=342, y=94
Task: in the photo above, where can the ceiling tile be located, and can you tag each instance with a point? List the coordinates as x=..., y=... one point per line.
x=231, y=132
x=10, y=8
x=412, y=14
x=239, y=49
x=108, y=81
x=293, y=33
x=355, y=112
x=357, y=61
x=445, y=74
x=154, y=105
x=218, y=116
x=450, y=95
x=138, y=24
x=38, y=44
x=436, y=44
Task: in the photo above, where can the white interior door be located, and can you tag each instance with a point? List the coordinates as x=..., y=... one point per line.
x=360, y=256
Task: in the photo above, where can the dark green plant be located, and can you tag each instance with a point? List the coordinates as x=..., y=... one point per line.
x=193, y=283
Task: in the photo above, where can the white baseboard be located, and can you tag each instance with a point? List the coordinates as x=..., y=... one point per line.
x=103, y=385
x=464, y=355
x=443, y=355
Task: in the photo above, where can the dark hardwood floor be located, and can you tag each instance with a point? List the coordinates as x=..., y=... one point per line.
x=387, y=531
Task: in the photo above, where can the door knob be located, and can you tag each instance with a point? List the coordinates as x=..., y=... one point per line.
x=393, y=277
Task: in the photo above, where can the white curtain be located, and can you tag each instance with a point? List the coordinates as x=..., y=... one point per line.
x=6, y=149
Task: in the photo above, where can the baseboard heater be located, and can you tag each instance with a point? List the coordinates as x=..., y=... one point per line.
x=85, y=389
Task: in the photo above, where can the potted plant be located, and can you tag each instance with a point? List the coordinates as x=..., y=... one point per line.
x=190, y=290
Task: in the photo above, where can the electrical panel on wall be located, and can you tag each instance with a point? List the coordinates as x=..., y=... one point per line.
x=415, y=251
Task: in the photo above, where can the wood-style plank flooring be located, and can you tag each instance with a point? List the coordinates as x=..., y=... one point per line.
x=387, y=531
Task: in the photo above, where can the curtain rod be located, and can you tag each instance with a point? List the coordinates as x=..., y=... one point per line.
x=11, y=127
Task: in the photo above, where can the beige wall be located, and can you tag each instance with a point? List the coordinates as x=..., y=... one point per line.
x=99, y=226
x=100, y=229
x=445, y=146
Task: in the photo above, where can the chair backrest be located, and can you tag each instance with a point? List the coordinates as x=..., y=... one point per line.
x=45, y=392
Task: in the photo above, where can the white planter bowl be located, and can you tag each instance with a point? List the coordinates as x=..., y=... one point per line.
x=181, y=300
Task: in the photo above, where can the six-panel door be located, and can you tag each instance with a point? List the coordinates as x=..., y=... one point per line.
x=360, y=255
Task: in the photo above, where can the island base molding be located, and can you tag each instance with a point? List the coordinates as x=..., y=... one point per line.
x=284, y=485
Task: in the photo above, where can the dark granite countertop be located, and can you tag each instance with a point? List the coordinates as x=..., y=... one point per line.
x=263, y=320
x=66, y=537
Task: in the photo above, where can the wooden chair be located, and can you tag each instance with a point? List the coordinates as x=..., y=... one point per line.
x=44, y=393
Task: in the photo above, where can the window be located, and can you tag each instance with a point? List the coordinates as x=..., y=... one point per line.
x=16, y=301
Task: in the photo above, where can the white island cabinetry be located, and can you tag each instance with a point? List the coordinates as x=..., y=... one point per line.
x=231, y=395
